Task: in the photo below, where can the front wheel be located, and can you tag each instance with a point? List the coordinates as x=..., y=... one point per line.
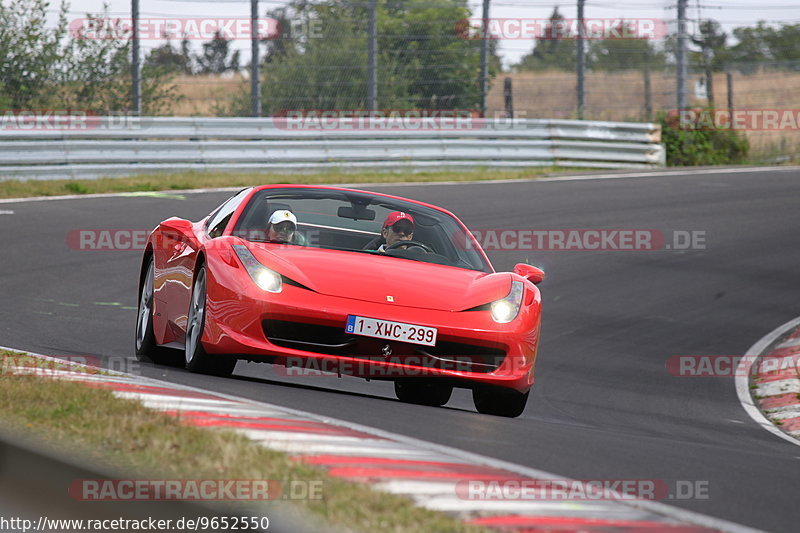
x=197, y=360
x=422, y=392
x=146, y=348
x=499, y=401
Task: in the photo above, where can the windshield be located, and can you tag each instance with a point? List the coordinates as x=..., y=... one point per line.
x=352, y=221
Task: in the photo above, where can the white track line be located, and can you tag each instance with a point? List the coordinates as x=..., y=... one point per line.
x=791, y=343
x=572, y=177
x=743, y=380
x=658, y=508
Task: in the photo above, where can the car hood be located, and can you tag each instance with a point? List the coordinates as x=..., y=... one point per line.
x=374, y=278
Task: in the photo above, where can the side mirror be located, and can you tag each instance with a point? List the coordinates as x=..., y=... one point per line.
x=178, y=230
x=177, y=225
x=533, y=274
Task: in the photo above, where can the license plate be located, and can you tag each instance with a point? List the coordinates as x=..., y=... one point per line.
x=385, y=329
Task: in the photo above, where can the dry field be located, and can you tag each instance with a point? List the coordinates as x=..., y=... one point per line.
x=551, y=94
x=621, y=96
x=203, y=96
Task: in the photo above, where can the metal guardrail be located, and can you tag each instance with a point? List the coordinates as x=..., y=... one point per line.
x=89, y=147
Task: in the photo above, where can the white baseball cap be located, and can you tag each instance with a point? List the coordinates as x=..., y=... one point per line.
x=282, y=215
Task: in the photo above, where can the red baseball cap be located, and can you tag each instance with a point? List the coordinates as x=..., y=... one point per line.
x=396, y=216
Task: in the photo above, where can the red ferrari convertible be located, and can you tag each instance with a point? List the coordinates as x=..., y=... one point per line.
x=341, y=281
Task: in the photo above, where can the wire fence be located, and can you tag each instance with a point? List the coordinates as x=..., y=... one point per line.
x=641, y=94
x=314, y=56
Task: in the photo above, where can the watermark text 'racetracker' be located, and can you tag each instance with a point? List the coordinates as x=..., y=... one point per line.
x=35, y=366
x=737, y=119
x=547, y=29
x=580, y=490
x=62, y=119
x=384, y=120
x=534, y=239
x=194, y=489
x=605, y=239
x=728, y=366
x=192, y=28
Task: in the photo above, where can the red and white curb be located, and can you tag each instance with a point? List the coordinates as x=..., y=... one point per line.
x=768, y=382
x=426, y=472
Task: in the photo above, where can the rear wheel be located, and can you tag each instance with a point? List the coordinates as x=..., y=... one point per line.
x=499, y=401
x=422, y=392
x=197, y=360
x=146, y=348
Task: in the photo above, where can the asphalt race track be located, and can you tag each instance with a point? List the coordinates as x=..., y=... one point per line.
x=604, y=405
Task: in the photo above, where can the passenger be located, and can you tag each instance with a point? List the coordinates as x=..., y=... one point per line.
x=282, y=227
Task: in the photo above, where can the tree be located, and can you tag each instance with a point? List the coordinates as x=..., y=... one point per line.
x=784, y=43
x=84, y=67
x=279, y=46
x=765, y=44
x=422, y=61
x=623, y=54
x=214, y=59
x=29, y=52
x=551, y=50
x=171, y=58
x=714, y=54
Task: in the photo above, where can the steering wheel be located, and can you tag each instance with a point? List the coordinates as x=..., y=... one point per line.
x=411, y=244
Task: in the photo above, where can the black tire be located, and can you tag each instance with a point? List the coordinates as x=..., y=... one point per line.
x=422, y=392
x=197, y=360
x=499, y=401
x=146, y=349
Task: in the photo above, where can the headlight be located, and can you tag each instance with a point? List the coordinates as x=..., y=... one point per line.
x=265, y=278
x=507, y=309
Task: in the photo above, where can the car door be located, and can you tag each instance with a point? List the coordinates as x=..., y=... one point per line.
x=180, y=258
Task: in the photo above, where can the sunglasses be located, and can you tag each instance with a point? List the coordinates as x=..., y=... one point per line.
x=403, y=229
x=283, y=227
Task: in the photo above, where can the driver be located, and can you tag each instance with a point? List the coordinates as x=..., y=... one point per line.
x=398, y=226
x=281, y=227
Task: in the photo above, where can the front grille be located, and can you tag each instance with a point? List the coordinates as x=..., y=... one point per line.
x=309, y=337
x=468, y=357
x=333, y=340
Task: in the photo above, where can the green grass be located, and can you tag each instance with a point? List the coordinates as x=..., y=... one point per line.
x=202, y=180
x=124, y=434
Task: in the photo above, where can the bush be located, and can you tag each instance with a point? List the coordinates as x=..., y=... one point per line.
x=61, y=68
x=688, y=145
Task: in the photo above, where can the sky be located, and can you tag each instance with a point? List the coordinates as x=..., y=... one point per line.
x=730, y=13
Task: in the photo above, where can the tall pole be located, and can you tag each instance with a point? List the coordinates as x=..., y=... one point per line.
x=484, y=81
x=729, y=76
x=372, y=56
x=255, y=81
x=508, y=93
x=709, y=72
x=681, y=55
x=136, y=83
x=581, y=60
